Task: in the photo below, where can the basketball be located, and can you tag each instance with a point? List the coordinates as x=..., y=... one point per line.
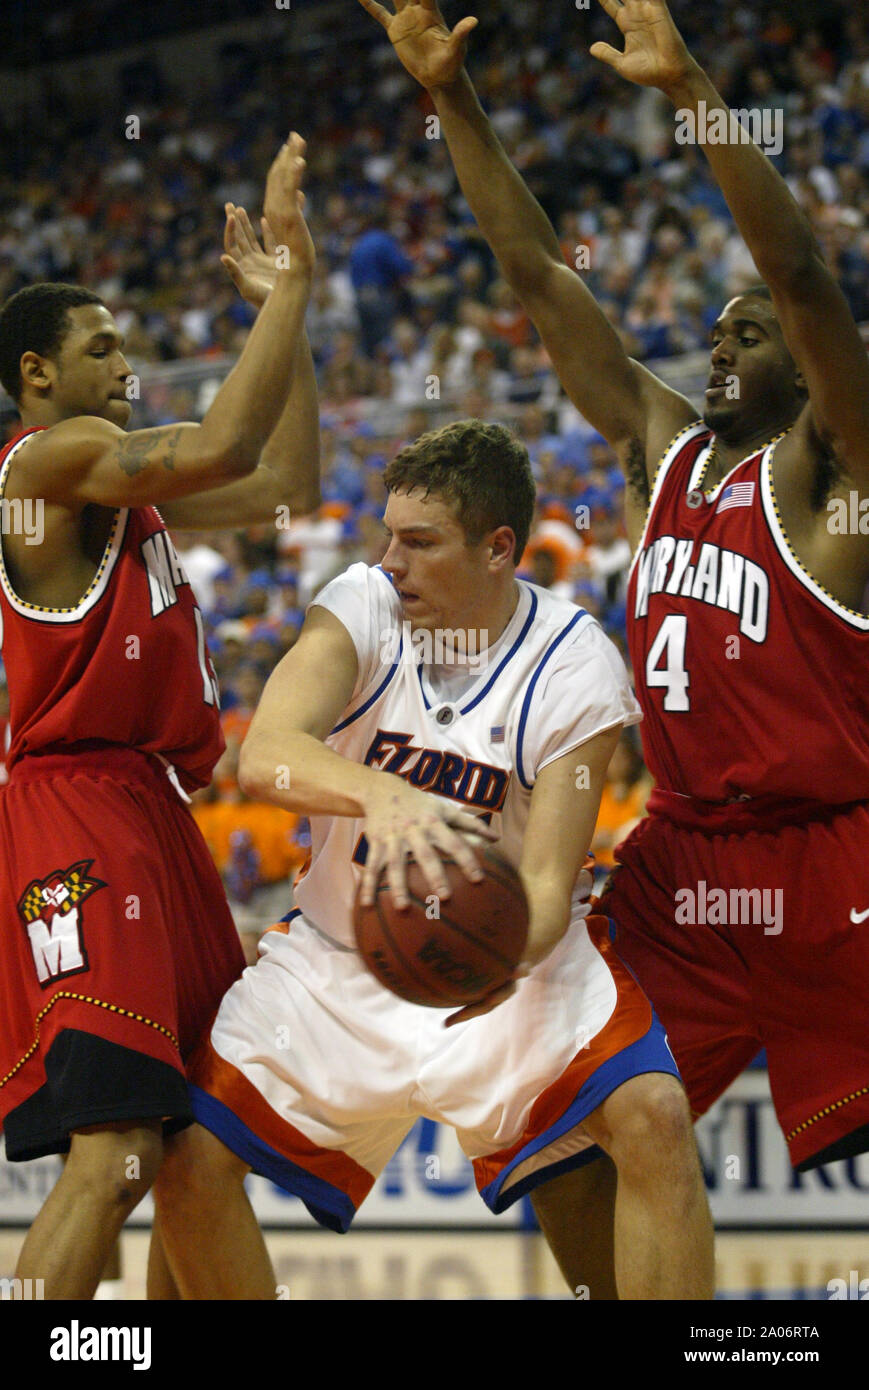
x=451, y=952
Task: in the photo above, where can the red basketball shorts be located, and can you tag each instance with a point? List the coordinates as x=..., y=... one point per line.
x=117, y=946
x=757, y=936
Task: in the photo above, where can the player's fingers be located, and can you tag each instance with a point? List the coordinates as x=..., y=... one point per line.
x=462, y=851
x=484, y=1006
x=465, y=820
x=247, y=235
x=370, y=874
x=607, y=54
x=269, y=241
x=229, y=228
x=463, y=29
x=297, y=172
x=290, y=159
x=429, y=861
x=232, y=270
x=378, y=12
x=396, y=873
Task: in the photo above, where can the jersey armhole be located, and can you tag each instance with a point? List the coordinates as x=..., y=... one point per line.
x=784, y=546
x=97, y=586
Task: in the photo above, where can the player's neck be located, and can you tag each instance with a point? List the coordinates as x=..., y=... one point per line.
x=502, y=613
x=42, y=415
x=725, y=454
x=486, y=626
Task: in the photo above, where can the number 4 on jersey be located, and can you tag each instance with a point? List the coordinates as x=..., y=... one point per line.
x=669, y=648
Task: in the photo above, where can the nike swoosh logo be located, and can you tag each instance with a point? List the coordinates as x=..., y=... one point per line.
x=858, y=917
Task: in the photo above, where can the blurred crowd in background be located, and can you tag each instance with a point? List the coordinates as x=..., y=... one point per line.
x=407, y=301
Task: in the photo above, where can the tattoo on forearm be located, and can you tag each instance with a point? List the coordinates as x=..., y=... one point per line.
x=136, y=451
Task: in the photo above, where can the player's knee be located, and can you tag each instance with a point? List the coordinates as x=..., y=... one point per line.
x=650, y=1128
x=117, y=1166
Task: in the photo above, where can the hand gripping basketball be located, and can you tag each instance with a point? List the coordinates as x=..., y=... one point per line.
x=401, y=821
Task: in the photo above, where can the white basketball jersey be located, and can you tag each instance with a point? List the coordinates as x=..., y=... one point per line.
x=477, y=734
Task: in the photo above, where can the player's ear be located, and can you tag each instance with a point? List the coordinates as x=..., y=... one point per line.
x=502, y=545
x=38, y=372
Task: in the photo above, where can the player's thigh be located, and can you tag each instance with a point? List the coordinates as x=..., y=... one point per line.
x=196, y=1161
x=576, y=1213
x=580, y=1203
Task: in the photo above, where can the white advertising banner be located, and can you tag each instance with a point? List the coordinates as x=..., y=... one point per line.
x=428, y=1183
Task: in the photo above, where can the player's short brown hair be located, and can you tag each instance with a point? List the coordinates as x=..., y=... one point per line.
x=35, y=320
x=482, y=470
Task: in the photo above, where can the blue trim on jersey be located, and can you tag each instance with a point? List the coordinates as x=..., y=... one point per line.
x=532, y=613
x=422, y=687
x=649, y=1053
x=377, y=694
x=327, y=1204
x=289, y=916
x=508, y=656
x=529, y=693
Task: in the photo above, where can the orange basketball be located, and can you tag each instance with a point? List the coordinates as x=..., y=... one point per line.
x=448, y=952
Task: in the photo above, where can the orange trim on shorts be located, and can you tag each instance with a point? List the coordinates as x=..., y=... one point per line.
x=630, y=1020
x=221, y=1079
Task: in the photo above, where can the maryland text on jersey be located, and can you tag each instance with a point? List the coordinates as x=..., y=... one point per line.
x=709, y=574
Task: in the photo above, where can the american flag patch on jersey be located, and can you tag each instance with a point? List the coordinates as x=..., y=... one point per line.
x=497, y=733
x=735, y=495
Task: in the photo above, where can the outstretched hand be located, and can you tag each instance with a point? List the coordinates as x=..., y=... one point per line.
x=283, y=210
x=253, y=267
x=655, y=54
x=431, y=52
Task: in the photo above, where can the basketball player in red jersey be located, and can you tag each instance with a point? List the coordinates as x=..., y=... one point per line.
x=748, y=636
x=117, y=939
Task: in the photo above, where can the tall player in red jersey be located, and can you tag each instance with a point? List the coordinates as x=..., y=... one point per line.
x=117, y=939
x=748, y=635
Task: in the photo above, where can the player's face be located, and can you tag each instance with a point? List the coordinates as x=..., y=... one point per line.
x=752, y=375
x=442, y=581
x=90, y=371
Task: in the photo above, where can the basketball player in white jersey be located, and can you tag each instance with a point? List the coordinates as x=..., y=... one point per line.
x=314, y=1073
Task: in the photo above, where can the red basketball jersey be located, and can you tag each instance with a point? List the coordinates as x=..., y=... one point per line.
x=754, y=681
x=127, y=665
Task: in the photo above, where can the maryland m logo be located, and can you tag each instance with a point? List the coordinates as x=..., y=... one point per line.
x=51, y=908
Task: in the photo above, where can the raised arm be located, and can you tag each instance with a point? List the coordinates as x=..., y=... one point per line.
x=621, y=399
x=288, y=472
x=815, y=319
x=90, y=460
